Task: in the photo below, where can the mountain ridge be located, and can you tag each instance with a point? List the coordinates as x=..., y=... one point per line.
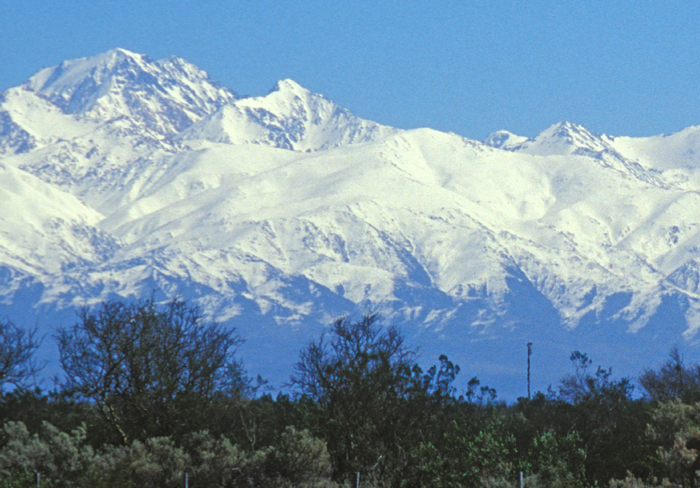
x=280, y=212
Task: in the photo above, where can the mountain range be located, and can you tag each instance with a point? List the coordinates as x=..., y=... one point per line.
x=125, y=177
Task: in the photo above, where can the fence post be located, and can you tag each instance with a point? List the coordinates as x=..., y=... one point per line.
x=357, y=481
x=38, y=479
x=522, y=482
x=184, y=480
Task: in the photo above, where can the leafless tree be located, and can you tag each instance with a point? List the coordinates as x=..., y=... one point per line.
x=152, y=371
x=358, y=374
x=18, y=365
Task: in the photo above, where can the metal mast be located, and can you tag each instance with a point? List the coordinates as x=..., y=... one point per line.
x=529, y=353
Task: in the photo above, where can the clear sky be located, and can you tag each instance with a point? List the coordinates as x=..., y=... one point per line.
x=469, y=66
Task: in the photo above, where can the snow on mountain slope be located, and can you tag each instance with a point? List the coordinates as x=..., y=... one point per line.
x=677, y=155
x=564, y=139
x=104, y=127
x=163, y=97
x=93, y=126
x=121, y=176
x=567, y=139
x=427, y=192
x=503, y=139
x=44, y=231
x=289, y=117
x=30, y=121
x=680, y=151
x=545, y=211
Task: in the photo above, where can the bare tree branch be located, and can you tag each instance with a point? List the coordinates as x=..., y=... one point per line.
x=17, y=348
x=151, y=370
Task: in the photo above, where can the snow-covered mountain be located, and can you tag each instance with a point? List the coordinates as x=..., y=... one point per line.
x=121, y=176
x=289, y=117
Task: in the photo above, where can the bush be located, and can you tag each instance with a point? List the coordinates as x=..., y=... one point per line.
x=62, y=459
x=65, y=460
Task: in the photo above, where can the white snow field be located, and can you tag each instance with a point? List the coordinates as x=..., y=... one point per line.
x=122, y=177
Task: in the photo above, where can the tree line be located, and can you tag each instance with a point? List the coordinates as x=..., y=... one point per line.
x=153, y=392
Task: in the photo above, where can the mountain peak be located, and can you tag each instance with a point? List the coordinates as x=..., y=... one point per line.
x=120, y=54
x=503, y=139
x=562, y=138
x=288, y=117
x=436, y=232
x=72, y=70
x=565, y=129
x=163, y=97
x=123, y=52
x=289, y=85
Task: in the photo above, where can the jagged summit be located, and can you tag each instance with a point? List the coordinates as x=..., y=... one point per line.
x=127, y=177
x=571, y=135
x=562, y=138
x=164, y=97
x=75, y=85
x=288, y=117
x=569, y=139
x=289, y=85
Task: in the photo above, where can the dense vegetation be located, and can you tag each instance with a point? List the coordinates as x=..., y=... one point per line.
x=153, y=393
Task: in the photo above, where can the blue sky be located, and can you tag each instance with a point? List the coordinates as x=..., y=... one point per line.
x=470, y=66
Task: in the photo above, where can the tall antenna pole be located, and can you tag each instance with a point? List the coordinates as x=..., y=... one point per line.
x=529, y=353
